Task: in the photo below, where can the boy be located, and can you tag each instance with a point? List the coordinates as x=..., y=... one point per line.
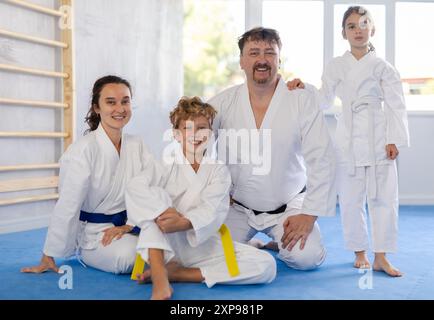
x=180, y=208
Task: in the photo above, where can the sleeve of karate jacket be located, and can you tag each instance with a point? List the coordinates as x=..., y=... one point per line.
x=151, y=176
x=212, y=209
x=394, y=108
x=145, y=197
x=74, y=181
x=327, y=93
x=319, y=158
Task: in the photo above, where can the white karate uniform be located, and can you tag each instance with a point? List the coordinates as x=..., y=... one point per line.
x=301, y=154
x=373, y=115
x=93, y=178
x=202, y=197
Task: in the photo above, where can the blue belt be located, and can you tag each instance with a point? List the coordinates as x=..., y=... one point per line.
x=118, y=219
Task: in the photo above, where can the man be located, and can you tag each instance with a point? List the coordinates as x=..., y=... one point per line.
x=297, y=185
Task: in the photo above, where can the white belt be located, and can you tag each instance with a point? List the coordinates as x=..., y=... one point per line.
x=370, y=103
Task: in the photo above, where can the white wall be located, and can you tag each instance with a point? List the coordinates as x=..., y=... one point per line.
x=416, y=164
x=138, y=40
x=13, y=118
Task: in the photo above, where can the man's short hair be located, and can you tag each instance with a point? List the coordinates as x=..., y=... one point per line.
x=259, y=34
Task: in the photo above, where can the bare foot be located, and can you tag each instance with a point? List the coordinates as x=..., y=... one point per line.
x=173, y=269
x=257, y=243
x=144, y=277
x=382, y=264
x=161, y=289
x=47, y=263
x=361, y=261
x=272, y=245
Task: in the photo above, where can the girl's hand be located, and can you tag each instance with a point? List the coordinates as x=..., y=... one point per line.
x=114, y=233
x=47, y=263
x=295, y=84
x=391, y=151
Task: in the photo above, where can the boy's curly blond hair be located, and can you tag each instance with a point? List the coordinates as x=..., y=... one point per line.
x=191, y=108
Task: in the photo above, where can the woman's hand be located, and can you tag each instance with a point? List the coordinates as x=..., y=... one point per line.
x=114, y=233
x=47, y=263
x=391, y=151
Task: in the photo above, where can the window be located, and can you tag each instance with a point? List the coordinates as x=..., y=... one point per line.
x=311, y=36
x=211, y=54
x=300, y=25
x=415, y=52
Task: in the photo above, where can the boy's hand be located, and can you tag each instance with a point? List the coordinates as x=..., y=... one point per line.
x=172, y=221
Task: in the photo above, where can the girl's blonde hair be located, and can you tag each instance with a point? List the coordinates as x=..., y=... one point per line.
x=191, y=108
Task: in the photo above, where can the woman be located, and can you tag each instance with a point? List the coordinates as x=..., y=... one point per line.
x=89, y=219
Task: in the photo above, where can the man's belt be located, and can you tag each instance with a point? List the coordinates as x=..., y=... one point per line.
x=276, y=211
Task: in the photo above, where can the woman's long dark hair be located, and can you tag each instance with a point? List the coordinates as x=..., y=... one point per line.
x=92, y=118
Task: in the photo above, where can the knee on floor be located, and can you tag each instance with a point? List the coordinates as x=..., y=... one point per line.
x=303, y=259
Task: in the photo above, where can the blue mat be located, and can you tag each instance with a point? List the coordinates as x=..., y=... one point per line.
x=335, y=279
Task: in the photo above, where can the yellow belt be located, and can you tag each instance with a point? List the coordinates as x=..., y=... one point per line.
x=139, y=267
x=228, y=249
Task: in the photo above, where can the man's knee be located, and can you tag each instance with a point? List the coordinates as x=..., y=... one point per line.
x=307, y=259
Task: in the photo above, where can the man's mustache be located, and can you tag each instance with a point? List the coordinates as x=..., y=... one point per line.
x=262, y=66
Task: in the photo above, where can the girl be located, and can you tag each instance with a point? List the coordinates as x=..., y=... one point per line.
x=90, y=217
x=371, y=128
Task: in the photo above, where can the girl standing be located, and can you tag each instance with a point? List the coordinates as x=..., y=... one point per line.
x=371, y=129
